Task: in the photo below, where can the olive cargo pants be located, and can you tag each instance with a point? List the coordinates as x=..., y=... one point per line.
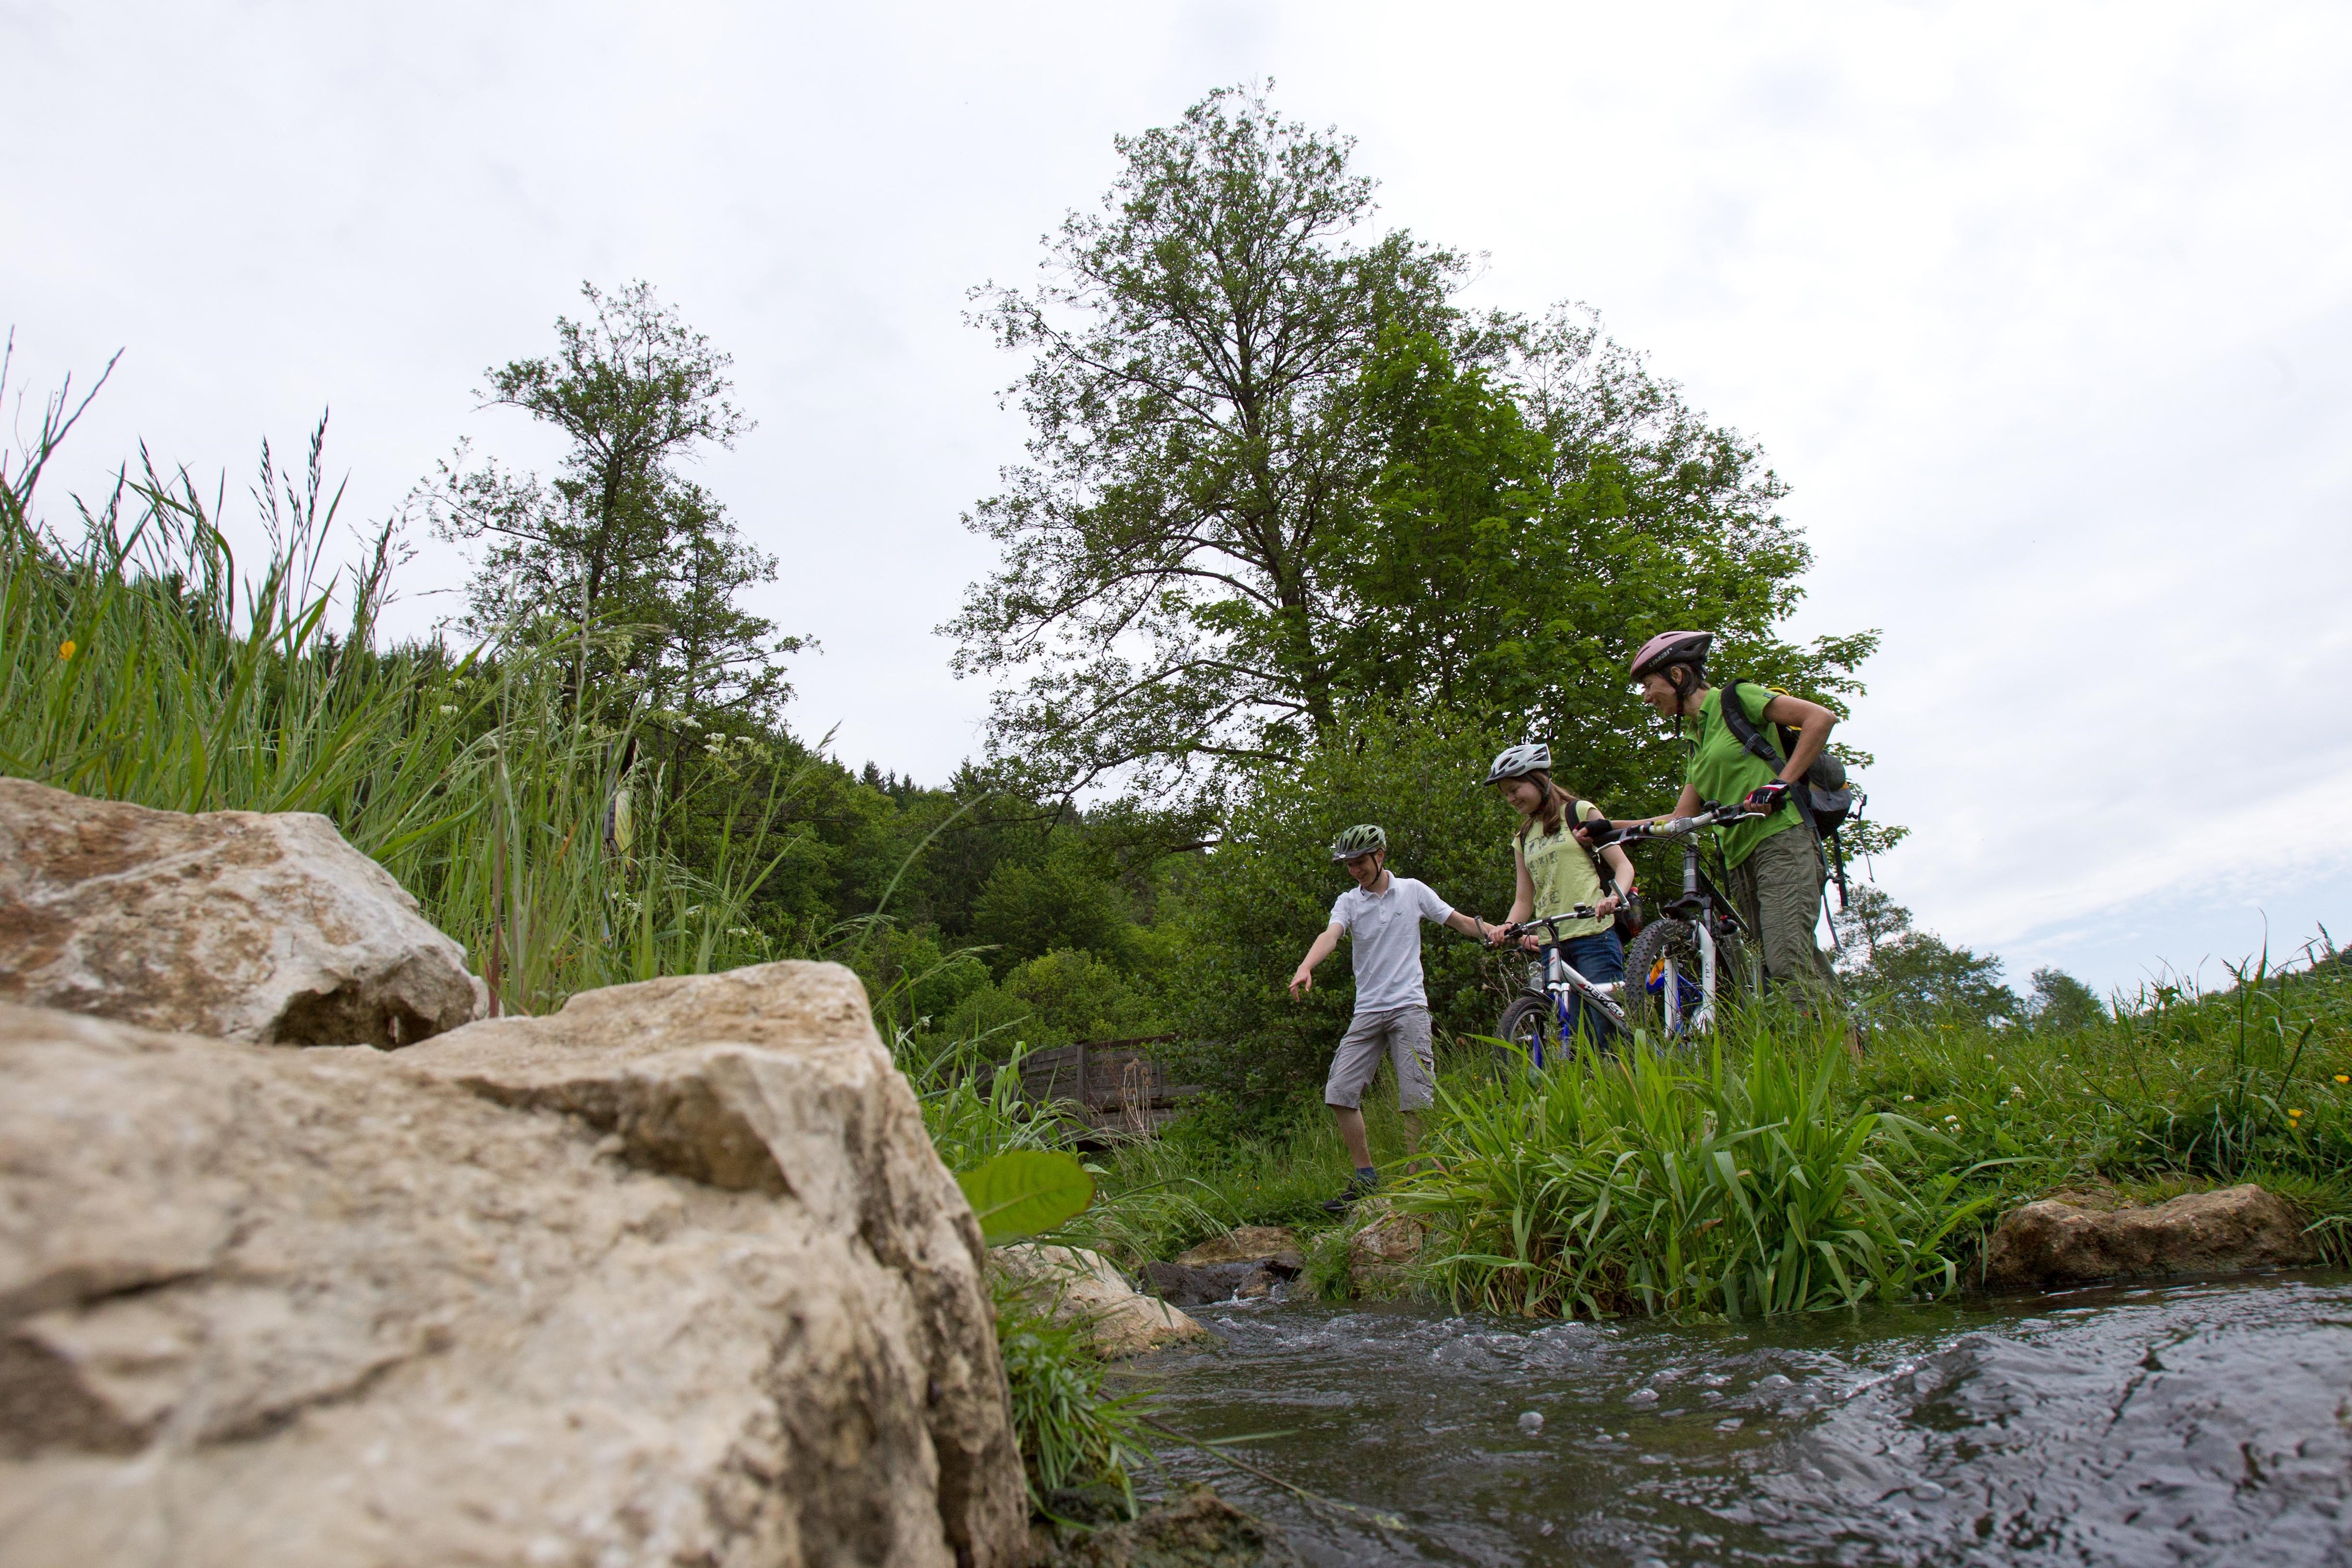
x=1778, y=892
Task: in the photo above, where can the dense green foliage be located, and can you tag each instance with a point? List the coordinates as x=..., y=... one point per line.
x=1898, y=971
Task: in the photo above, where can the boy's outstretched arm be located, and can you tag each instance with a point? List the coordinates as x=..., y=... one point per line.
x=1304, y=980
x=1470, y=925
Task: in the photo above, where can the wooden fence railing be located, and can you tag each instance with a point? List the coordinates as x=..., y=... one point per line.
x=1115, y=1086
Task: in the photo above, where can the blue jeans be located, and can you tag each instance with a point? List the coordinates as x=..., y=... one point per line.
x=1600, y=959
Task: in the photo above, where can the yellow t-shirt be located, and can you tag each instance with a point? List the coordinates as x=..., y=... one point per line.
x=1563, y=871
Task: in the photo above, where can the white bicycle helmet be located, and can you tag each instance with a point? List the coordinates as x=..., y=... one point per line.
x=1519, y=761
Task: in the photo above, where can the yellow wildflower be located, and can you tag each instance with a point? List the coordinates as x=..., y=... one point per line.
x=66, y=649
x=2343, y=1078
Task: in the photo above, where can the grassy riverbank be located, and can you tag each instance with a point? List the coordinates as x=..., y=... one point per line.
x=1772, y=1173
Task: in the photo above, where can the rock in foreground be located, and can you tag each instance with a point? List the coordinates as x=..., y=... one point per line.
x=1076, y=1285
x=693, y=1290
x=240, y=924
x=2053, y=1244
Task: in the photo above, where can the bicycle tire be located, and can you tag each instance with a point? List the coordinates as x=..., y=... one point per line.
x=1528, y=1018
x=1661, y=939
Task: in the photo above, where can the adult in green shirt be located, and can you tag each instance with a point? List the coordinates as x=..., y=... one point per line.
x=1774, y=869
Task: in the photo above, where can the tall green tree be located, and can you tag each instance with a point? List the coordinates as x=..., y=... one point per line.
x=634, y=570
x=1200, y=437
x=1917, y=974
x=1277, y=473
x=2060, y=1002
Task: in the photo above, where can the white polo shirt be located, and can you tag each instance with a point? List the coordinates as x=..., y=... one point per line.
x=1384, y=929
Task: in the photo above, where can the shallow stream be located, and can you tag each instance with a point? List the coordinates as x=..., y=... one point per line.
x=2187, y=1424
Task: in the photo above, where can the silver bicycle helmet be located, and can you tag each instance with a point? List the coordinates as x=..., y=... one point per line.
x=1519, y=761
x=1361, y=840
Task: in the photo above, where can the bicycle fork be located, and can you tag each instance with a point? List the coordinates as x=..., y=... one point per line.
x=1701, y=915
x=1703, y=1019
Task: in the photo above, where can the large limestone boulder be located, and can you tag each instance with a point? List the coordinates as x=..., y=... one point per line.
x=2053, y=1244
x=1076, y=1284
x=240, y=924
x=672, y=1276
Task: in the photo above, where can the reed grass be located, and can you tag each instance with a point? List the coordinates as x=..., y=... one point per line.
x=1647, y=1182
x=141, y=661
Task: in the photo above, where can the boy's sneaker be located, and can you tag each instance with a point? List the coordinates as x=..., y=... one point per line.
x=1357, y=1188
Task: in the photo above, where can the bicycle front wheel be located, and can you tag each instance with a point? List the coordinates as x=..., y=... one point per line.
x=1531, y=1030
x=1663, y=974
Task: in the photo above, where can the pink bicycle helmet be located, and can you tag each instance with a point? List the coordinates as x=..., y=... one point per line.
x=1672, y=648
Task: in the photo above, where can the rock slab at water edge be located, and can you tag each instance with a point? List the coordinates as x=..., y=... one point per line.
x=238, y=924
x=1275, y=1244
x=1073, y=1284
x=2051, y=1244
x=672, y=1276
x=1251, y=1279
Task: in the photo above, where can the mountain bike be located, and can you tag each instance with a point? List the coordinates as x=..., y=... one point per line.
x=1540, y=1026
x=1675, y=970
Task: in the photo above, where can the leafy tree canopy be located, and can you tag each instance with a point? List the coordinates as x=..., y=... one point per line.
x=2061, y=1001
x=1274, y=470
x=1917, y=974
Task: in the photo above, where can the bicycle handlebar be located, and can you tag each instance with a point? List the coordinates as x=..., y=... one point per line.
x=1551, y=922
x=1683, y=827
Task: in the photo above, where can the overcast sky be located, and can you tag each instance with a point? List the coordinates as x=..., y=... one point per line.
x=2044, y=314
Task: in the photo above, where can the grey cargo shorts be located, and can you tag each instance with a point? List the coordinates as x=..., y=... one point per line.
x=1402, y=1033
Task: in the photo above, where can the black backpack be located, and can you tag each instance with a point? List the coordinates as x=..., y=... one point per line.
x=1829, y=800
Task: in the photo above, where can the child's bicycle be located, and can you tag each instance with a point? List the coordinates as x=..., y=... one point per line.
x=1540, y=1026
x=1676, y=968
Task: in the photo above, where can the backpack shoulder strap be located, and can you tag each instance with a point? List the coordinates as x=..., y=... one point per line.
x=1743, y=729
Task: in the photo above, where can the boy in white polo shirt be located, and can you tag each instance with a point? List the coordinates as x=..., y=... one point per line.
x=1383, y=914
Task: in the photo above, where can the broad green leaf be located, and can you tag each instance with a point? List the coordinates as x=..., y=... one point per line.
x=1023, y=1192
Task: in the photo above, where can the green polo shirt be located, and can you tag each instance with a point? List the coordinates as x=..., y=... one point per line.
x=1723, y=771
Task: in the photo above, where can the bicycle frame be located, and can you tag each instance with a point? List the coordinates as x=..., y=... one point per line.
x=1701, y=905
x=1560, y=981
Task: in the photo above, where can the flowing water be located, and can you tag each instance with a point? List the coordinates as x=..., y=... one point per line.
x=2186, y=1423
